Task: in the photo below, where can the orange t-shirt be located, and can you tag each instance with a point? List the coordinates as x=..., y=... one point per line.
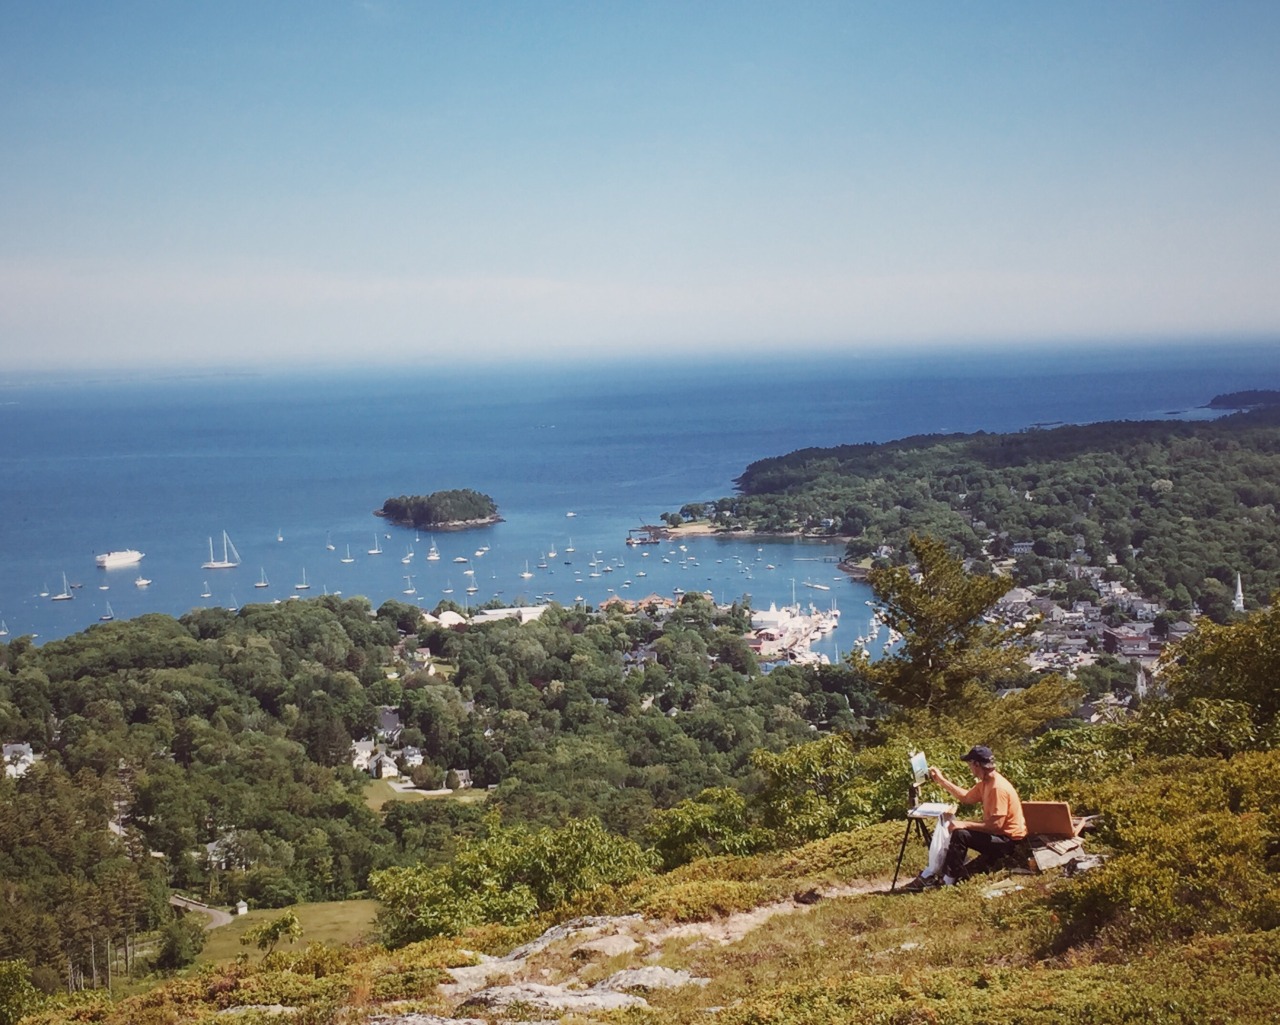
x=1001, y=806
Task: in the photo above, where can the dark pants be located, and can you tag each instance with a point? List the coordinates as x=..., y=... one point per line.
x=992, y=848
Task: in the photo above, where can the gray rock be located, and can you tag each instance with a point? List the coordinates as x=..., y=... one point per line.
x=592, y=925
x=649, y=977
x=611, y=946
x=554, y=998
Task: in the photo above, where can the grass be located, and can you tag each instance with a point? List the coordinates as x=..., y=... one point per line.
x=334, y=923
x=378, y=792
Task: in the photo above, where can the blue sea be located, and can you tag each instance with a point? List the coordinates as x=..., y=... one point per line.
x=288, y=463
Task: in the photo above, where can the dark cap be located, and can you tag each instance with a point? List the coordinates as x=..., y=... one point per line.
x=981, y=755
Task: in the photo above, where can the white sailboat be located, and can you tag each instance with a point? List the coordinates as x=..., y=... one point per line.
x=409, y=588
x=448, y=587
x=4, y=628
x=206, y=593
x=472, y=587
x=433, y=553
x=304, y=586
x=65, y=594
x=377, y=546
x=526, y=574
x=569, y=549
x=328, y=541
x=107, y=616
x=347, y=557
x=230, y=557
x=263, y=582
x=408, y=556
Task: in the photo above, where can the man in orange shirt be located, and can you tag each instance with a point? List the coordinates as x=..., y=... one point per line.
x=993, y=838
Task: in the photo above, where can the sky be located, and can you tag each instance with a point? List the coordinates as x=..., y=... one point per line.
x=247, y=184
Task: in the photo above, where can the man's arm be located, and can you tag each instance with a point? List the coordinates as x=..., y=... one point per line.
x=971, y=796
x=959, y=793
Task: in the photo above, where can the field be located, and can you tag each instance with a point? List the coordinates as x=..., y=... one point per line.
x=333, y=922
x=379, y=791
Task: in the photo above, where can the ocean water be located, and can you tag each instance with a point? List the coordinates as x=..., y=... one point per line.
x=288, y=462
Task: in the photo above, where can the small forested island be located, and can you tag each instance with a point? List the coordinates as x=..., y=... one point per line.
x=1245, y=399
x=441, y=510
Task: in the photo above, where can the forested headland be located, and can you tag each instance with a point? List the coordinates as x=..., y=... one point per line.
x=441, y=510
x=1177, y=509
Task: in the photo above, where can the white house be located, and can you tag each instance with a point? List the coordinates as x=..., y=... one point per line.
x=361, y=752
x=18, y=758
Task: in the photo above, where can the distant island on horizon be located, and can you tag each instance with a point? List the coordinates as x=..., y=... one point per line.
x=459, y=509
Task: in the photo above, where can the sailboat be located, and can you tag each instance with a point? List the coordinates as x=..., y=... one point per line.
x=408, y=556
x=433, y=553
x=472, y=587
x=448, y=587
x=230, y=557
x=279, y=535
x=263, y=582
x=409, y=588
x=526, y=574
x=65, y=594
x=328, y=541
x=377, y=546
x=4, y=628
x=304, y=586
x=206, y=593
x=107, y=616
x=569, y=549
x=347, y=557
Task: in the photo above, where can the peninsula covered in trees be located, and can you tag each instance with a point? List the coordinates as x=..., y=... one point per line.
x=1176, y=509
x=441, y=510
x=1243, y=399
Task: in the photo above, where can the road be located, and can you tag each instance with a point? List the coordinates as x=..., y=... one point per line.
x=215, y=916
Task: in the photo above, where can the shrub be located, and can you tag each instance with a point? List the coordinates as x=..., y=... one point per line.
x=702, y=900
x=504, y=877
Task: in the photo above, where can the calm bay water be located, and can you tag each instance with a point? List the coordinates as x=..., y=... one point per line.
x=163, y=464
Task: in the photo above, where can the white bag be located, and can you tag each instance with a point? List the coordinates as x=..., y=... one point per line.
x=938, y=847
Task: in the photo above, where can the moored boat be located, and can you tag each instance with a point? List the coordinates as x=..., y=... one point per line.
x=230, y=557
x=124, y=557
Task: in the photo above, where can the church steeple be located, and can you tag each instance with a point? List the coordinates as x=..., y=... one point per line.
x=1238, y=603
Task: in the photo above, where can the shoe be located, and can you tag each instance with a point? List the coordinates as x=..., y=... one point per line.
x=920, y=883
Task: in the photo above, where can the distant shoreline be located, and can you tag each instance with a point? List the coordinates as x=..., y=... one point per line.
x=702, y=528
x=448, y=525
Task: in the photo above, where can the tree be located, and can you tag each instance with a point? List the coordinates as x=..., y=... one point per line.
x=947, y=643
x=18, y=997
x=267, y=935
x=1236, y=662
x=181, y=941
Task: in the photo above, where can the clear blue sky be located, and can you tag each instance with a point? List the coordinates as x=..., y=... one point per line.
x=240, y=183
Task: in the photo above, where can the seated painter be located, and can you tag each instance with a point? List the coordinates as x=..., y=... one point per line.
x=993, y=838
